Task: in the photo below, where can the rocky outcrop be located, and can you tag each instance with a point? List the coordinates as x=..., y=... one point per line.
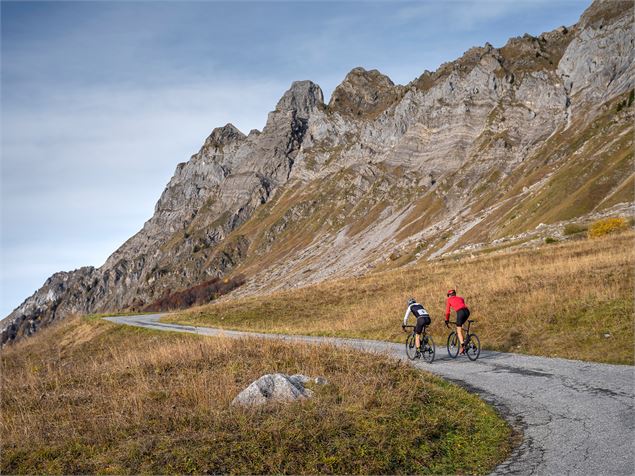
x=302, y=100
x=364, y=94
x=599, y=62
x=62, y=294
x=488, y=146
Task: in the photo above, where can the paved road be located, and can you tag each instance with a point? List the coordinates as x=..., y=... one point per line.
x=576, y=417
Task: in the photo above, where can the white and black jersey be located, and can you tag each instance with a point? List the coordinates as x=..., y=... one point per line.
x=418, y=311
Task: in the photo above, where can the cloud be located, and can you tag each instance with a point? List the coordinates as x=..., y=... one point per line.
x=463, y=15
x=492, y=17
x=81, y=171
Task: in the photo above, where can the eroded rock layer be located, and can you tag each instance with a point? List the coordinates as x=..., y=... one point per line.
x=498, y=143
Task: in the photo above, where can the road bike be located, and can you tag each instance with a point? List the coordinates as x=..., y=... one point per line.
x=471, y=343
x=428, y=348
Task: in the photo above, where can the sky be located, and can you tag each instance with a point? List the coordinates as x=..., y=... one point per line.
x=101, y=100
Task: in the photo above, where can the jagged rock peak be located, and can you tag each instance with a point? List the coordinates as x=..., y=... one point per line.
x=303, y=97
x=227, y=134
x=364, y=94
x=471, y=58
x=360, y=74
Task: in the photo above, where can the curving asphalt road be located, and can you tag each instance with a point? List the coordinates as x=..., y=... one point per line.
x=575, y=417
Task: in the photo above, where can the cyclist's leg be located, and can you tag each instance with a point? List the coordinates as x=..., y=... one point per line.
x=418, y=330
x=459, y=332
x=461, y=317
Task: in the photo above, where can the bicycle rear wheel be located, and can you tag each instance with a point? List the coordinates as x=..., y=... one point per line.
x=453, y=345
x=473, y=347
x=428, y=349
x=411, y=346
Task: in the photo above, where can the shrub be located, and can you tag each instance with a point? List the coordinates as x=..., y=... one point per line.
x=607, y=226
x=196, y=295
x=550, y=240
x=573, y=228
x=394, y=256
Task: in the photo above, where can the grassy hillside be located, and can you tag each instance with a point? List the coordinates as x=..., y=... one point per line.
x=572, y=300
x=88, y=396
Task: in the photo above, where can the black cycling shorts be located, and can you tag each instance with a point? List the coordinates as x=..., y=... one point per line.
x=421, y=323
x=462, y=315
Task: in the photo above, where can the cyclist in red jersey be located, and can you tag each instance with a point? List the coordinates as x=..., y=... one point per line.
x=462, y=313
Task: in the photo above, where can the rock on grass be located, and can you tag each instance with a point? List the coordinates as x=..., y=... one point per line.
x=276, y=388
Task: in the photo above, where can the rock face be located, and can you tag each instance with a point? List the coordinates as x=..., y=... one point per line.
x=62, y=294
x=483, y=149
x=364, y=94
x=276, y=388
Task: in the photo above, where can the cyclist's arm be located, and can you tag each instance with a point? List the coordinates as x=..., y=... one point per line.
x=447, y=310
x=405, y=317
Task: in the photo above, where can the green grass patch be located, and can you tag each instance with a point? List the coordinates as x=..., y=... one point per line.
x=574, y=229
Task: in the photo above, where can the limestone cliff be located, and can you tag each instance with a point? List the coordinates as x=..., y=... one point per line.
x=493, y=146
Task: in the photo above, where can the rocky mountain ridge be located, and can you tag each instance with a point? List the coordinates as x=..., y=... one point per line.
x=491, y=145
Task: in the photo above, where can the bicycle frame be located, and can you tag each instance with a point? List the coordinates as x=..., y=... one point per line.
x=467, y=331
x=424, y=332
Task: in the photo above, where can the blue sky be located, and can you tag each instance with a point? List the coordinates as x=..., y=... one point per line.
x=101, y=100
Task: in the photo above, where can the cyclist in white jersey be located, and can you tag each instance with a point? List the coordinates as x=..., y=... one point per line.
x=423, y=320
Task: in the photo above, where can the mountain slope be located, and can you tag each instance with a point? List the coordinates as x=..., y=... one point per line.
x=488, y=147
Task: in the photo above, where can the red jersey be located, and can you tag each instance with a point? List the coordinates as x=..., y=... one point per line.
x=455, y=302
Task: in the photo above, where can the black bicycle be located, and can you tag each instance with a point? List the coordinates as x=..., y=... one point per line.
x=471, y=343
x=428, y=348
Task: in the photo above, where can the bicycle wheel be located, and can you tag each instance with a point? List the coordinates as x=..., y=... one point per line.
x=473, y=348
x=453, y=345
x=428, y=349
x=411, y=346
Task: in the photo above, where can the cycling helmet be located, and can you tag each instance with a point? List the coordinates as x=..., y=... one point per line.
x=451, y=292
x=411, y=301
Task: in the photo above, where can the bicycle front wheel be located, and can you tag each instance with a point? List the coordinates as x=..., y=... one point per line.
x=411, y=346
x=428, y=349
x=453, y=345
x=473, y=348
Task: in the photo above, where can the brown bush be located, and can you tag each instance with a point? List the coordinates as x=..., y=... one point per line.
x=196, y=295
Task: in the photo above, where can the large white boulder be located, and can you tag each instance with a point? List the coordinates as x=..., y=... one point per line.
x=276, y=388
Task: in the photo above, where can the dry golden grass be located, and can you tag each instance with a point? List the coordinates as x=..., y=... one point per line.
x=573, y=300
x=88, y=396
